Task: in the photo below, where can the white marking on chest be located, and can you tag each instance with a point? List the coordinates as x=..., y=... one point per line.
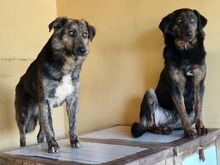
x=189, y=73
x=64, y=89
x=162, y=116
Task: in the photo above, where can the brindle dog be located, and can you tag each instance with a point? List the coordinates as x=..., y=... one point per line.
x=177, y=100
x=52, y=79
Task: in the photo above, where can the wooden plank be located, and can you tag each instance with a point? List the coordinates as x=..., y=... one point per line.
x=170, y=161
x=158, y=157
x=89, y=153
x=184, y=145
x=123, y=133
x=124, y=154
x=113, y=146
x=210, y=157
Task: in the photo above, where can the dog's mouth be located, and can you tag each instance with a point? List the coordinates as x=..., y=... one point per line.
x=188, y=35
x=185, y=44
x=186, y=40
x=79, y=54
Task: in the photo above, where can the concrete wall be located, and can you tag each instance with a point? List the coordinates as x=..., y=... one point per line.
x=23, y=31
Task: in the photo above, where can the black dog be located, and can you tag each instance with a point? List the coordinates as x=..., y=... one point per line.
x=52, y=79
x=177, y=100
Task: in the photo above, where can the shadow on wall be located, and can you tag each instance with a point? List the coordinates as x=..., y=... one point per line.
x=7, y=117
x=151, y=46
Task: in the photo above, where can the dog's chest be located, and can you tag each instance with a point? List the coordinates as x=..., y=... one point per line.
x=63, y=90
x=187, y=69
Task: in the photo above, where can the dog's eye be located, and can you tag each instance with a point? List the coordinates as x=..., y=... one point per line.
x=72, y=33
x=85, y=35
x=192, y=20
x=179, y=21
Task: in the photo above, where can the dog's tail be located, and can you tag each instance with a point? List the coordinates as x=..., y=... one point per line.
x=31, y=124
x=137, y=130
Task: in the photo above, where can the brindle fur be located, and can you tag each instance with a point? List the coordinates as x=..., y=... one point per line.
x=177, y=101
x=52, y=79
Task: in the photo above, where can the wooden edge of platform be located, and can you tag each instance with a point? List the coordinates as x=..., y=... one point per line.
x=185, y=144
x=178, y=146
x=151, y=155
x=7, y=159
x=154, y=152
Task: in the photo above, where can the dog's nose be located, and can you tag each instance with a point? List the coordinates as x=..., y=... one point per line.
x=81, y=50
x=190, y=34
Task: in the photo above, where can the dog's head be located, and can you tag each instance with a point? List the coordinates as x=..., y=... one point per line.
x=72, y=36
x=183, y=25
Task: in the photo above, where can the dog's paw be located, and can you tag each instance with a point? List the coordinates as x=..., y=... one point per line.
x=190, y=134
x=200, y=128
x=202, y=131
x=22, y=142
x=75, y=143
x=166, y=130
x=53, y=147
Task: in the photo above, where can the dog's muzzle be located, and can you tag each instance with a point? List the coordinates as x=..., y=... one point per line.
x=188, y=36
x=80, y=51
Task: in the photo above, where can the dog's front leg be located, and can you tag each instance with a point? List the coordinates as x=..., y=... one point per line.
x=199, y=76
x=178, y=83
x=72, y=107
x=198, y=97
x=47, y=124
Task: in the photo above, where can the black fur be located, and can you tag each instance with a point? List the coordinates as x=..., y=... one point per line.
x=179, y=92
x=137, y=130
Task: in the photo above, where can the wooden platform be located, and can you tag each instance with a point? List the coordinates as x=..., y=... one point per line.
x=116, y=146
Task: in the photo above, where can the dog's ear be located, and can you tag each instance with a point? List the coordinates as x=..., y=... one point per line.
x=58, y=23
x=91, y=30
x=165, y=23
x=202, y=21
